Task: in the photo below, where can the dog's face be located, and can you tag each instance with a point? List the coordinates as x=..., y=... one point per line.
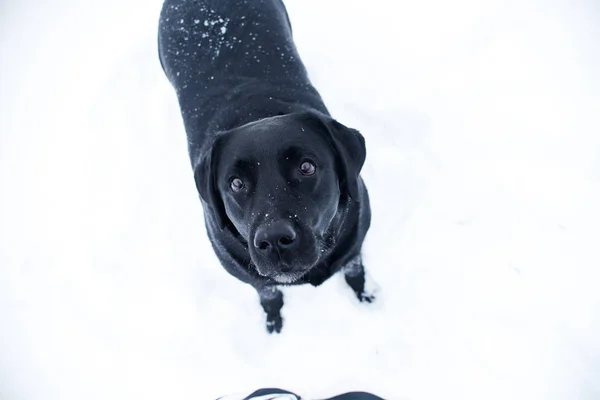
x=279, y=183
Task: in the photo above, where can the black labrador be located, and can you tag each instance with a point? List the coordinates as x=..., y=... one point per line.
x=277, y=176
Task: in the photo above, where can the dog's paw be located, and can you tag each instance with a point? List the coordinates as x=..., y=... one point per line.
x=363, y=290
x=366, y=297
x=274, y=323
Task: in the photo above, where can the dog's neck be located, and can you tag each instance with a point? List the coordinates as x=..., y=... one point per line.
x=250, y=101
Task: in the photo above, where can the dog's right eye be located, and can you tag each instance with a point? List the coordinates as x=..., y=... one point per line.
x=236, y=184
x=308, y=168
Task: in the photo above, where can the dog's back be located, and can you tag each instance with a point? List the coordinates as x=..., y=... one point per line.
x=217, y=53
x=210, y=33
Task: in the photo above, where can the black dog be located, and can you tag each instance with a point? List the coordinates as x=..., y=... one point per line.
x=278, y=177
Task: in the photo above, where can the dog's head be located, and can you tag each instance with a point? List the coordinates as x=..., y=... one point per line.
x=279, y=182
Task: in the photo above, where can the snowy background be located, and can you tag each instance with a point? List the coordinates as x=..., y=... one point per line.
x=482, y=121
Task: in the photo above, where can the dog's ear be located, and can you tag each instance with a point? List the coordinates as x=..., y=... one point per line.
x=349, y=148
x=205, y=172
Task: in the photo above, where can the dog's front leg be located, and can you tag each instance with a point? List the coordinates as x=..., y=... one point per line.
x=354, y=273
x=271, y=300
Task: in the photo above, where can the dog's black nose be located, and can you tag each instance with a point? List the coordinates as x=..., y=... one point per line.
x=279, y=235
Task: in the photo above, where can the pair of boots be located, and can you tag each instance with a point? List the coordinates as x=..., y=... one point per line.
x=279, y=394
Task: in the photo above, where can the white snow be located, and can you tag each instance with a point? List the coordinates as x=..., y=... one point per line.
x=481, y=121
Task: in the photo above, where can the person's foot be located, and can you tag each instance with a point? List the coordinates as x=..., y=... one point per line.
x=264, y=394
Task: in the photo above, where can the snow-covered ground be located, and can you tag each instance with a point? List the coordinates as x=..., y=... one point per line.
x=482, y=121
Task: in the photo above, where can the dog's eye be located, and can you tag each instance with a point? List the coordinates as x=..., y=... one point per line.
x=236, y=184
x=308, y=168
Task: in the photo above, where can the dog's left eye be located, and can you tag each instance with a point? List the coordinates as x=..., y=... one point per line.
x=308, y=168
x=236, y=184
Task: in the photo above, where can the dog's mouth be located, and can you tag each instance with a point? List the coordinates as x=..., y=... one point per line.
x=287, y=277
x=282, y=272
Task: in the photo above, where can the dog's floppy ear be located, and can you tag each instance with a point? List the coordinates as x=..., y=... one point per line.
x=349, y=147
x=205, y=172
